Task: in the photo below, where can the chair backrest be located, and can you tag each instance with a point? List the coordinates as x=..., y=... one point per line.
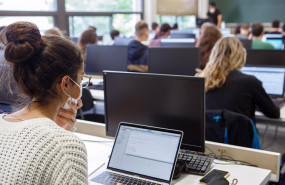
x=232, y=128
x=87, y=100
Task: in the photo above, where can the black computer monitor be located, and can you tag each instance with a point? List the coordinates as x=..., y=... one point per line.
x=175, y=102
x=247, y=44
x=174, y=60
x=101, y=58
x=265, y=58
x=200, y=21
x=188, y=42
x=182, y=34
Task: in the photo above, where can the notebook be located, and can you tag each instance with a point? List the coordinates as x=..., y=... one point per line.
x=141, y=155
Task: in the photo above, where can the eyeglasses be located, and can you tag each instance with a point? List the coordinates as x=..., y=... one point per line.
x=85, y=80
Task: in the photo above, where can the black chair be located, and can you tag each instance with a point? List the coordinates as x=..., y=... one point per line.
x=229, y=127
x=87, y=111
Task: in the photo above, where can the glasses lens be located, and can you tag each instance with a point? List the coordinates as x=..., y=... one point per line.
x=85, y=82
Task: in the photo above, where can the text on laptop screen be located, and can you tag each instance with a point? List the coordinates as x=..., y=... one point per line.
x=277, y=43
x=272, y=78
x=145, y=152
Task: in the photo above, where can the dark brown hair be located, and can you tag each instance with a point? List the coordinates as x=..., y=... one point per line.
x=89, y=36
x=210, y=34
x=114, y=33
x=256, y=29
x=38, y=62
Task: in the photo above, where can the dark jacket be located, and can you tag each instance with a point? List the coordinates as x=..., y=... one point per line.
x=137, y=57
x=228, y=127
x=242, y=93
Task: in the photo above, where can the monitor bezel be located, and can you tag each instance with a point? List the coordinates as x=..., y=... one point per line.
x=185, y=146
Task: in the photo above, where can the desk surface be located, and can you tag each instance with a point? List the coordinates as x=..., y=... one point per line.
x=99, y=151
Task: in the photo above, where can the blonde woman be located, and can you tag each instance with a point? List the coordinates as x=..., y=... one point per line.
x=228, y=88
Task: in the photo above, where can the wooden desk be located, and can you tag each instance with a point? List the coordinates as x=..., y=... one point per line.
x=99, y=151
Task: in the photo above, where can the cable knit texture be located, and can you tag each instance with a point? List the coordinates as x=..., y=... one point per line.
x=37, y=151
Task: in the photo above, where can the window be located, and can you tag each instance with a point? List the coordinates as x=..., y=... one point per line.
x=103, y=5
x=43, y=22
x=125, y=23
x=29, y=5
x=77, y=24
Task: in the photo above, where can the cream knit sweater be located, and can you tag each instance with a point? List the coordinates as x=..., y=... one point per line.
x=37, y=151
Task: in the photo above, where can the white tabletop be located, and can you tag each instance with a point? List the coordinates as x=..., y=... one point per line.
x=99, y=151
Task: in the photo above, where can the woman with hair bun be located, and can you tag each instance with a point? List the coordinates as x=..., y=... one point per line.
x=36, y=146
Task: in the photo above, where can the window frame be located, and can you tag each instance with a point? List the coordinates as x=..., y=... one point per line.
x=61, y=16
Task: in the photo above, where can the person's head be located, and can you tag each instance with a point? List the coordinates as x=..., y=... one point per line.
x=209, y=35
x=45, y=68
x=165, y=29
x=54, y=31
x=89, y=36
x=114, y=34
x=1, y=28
x=212, y=7
x=245, y=28
x=257, y=30
x=92, y=28
x=175, y=26
x=154, y=27
x=276, y=24
x=142, y=31
x=227, y=55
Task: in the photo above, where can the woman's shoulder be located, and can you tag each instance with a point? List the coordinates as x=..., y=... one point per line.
x=243, y=78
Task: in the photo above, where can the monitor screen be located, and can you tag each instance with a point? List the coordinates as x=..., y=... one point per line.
x=178, y=42
x=174, y=60
x=261, y=58
x=277, y=43
x=182, y=34
x=100, y=58
x=145, y=151
x=174, y=102
x=272, y=78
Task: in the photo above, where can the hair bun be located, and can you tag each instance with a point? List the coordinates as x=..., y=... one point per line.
x=22, y=40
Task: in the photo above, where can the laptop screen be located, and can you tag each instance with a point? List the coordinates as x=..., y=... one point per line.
x=144, y=151
x=277, y=43
x=272, y=78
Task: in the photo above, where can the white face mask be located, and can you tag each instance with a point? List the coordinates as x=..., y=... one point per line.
x=73, y=100
x=212, y=10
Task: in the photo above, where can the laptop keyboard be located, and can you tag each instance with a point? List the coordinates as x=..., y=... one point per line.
x=196, y=164
x=109, y=178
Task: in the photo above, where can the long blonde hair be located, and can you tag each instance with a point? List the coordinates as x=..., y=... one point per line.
x=227, y=55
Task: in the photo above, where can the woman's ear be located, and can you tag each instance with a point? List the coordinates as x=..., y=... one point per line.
x=65, y=84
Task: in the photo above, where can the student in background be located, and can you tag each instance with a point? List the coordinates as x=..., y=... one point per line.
x=275, y=27
x=114, y=33
x=138, y=52
x=154, y=28
x=89, y=36
x=257, y=32
x=244, y=31
x=175, y=26
x=209, y=35
x=229, y=89
x=215, y=14
x=54, y=31
x=36, y=142
x=164, y=32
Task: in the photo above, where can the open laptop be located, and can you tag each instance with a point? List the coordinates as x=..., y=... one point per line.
x=272, y=79
x=141, y=155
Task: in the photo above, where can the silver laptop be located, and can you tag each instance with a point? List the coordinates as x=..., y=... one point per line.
x=141, y=155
